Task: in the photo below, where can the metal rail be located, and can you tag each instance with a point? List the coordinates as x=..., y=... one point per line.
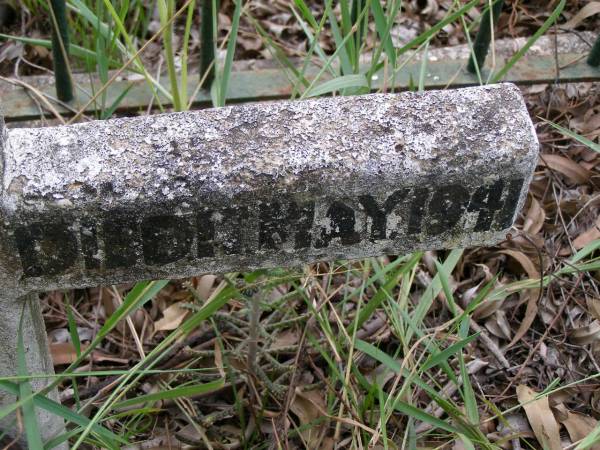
x=24, y=103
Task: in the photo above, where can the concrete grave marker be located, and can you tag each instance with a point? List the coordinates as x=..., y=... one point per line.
x=256, y=185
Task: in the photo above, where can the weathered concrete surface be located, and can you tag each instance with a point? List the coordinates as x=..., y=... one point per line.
x=262, y=185
x=37, y=359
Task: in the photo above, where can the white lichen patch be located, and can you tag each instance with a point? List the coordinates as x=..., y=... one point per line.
x=330, y=139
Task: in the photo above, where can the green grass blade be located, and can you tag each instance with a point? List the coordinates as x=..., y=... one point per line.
x=75, y=50
x=327, y=65
x=421, y=415
x=517, y=56
x=140, y=369
x=378, y=355
x=60, y=50
x=306, y=13
x=423, y=70
x=581, y=139
x=590, y=440
x=346, y=30
x=184, y=391
x=437, y=27
x=32, y=431
x=313, y=39
x=411, y=378
x=102, y=373
x=340, y=43
x=376, y=65
x=467, y=389
x=337, y=84
x=481, y=296
x=108, y=112
x=467, y=443
x=391, y=364
x=444, y=355
x=433, y=290
x=137, y=61
x=383, y=30
x=184, y=54
x=279, y=55
x=444, y=279
x=207, y=40
x=384, y=292
x=72, y=325
x=226, y=73
x=137, y=297
x=98, y=25
x=102, y=68
x=165, y=12
x=308, y=17
x=585, y=251
x=57, y=409
x=480, y=48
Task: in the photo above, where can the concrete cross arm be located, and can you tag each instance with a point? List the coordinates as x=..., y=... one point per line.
x=262, y=185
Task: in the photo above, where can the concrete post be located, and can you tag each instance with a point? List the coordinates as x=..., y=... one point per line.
x=37, y=357
x=14, y=303
x=259, y=185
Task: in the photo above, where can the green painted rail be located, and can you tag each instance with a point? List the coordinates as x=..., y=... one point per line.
x=23, y=103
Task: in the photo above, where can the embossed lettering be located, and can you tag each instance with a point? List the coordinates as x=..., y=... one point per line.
x=120, y=236
x=447, y=206
x=279, y=223
x=205, y=230
x=341, y=225
x=89, y=244
x=46, y=248
x=166, y=239
x=505, y=215
x=378, y=214
x=486, y=201
x=419, y=197
x=123, y=240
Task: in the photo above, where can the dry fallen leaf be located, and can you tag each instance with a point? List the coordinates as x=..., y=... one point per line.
x=516, y=424
x=534, y=221
x=587, y=11
x=498, y=325
x=205, y=285
x=593, y=305
x=219, y=359
x=567, y=167
x=540, y=418
x=172, y=318
x=585, y=335
x=310, y=406
x=285, y=339
x=532, y=306
x=63, y=353
x=588, y=236
x=578, y=425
